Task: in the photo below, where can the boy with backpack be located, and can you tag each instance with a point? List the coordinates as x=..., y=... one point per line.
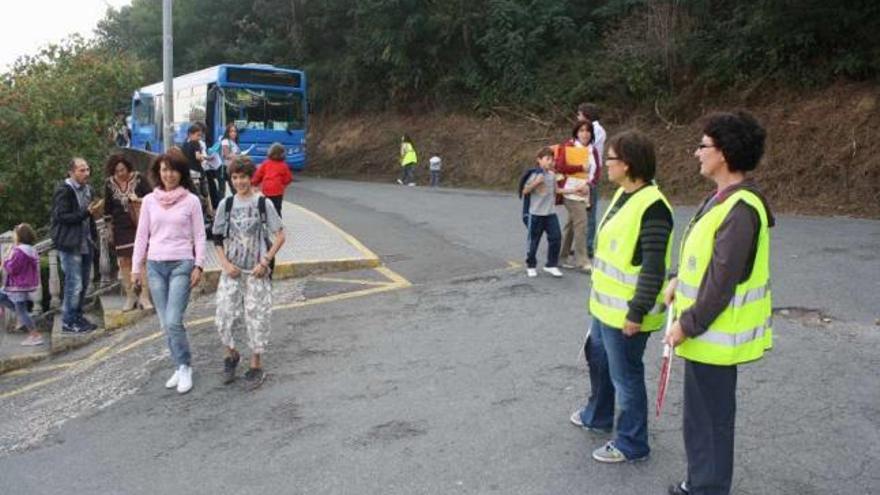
x=541, y=189
x=247, y=235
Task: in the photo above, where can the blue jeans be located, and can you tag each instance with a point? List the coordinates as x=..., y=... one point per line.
x=77, y=268
x=618, y=374
x=592, y=213
x=20, y=310
x=435, y=178
x=169, y=286
x=538, y=225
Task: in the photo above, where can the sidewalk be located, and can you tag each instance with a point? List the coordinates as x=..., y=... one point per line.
x=314, y=245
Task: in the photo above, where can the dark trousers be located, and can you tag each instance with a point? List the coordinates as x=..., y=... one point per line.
x=276, y=201
x=211, y=177
x=538, y=225
x=408, y=174
x=709, y=417
x=592, y=212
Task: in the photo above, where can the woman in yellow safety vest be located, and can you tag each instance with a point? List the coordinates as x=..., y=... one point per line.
x=722, y=297
x=633, y=252
x=408, y=161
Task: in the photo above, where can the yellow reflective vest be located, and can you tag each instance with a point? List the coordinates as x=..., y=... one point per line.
x=614, y=276
x=407, y=154
x=743, y=330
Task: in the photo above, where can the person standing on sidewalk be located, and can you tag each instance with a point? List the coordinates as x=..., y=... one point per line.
x=273, y=176
x=408, y=161
x=244, y=225
x=124, y=189
x=171, y=237
x=722, y=298
x=588, y=112
x=541, y=189
x=633, y=253
x=73, y=235
x=22, y=268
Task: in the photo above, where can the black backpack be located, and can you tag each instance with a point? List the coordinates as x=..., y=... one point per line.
x=261, y=206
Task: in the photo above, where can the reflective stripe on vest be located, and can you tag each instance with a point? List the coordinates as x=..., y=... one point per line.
x=623, y=304
x=614, y=277
x=744, y=329
x=738, y=300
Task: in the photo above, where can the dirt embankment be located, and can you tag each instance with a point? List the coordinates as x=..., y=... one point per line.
x=823, y=149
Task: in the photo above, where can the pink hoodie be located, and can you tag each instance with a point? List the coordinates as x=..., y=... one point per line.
x=171, y=227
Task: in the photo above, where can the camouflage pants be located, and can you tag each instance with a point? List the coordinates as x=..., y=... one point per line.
x=244, y=300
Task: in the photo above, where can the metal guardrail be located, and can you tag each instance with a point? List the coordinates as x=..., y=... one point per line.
x=46, y=249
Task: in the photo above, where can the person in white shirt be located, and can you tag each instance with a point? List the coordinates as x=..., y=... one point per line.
x=435, y=165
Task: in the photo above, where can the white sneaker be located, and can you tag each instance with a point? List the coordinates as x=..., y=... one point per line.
x=552, y=270
x=185, y=379
x=400, y=182
x=412, y=184
x=172, y=382
x=531, y=272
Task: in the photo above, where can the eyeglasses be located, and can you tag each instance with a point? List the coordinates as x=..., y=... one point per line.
x=703, y=146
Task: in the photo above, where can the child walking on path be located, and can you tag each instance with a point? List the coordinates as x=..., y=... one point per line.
x=435, y=165
x=22, y=268
x=273, y=176
x=243, y=227
x=408, y=161
x=541, y=187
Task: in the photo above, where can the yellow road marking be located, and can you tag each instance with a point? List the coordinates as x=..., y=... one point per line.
x=397, y=282
x=351, y=281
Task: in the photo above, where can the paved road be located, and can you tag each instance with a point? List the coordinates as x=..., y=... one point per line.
x=462, y=383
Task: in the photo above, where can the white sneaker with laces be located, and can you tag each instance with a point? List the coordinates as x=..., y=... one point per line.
x=531, y=272
x=552, y=270
x=184, y=379
x=172, y=382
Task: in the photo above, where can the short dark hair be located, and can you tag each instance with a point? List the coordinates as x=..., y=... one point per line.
x=193, y=129
x=590, y=111
x=175, y=159
x=242, y=165
x=276, y=152
x=637, y=151
x=545, y=151
x=738, y=136
x=577, y=127
x=25, y=234
x=114, y=160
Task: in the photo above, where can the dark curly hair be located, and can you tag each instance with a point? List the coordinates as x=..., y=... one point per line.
x=637, y=151
x=738, y=136
x=176, y=160
x=577, y=127
x=113, y=161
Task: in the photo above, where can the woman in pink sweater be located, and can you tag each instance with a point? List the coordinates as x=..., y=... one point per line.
x=171, y=237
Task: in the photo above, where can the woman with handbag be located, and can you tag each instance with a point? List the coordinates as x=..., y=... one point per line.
x=124, y=189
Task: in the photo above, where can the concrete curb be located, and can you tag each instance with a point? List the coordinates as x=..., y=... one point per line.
x=116, y=321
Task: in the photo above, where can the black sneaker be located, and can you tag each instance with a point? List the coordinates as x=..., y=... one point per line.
x=254, y=377
x=229, y=364
x=86, y=325
x=76, y=327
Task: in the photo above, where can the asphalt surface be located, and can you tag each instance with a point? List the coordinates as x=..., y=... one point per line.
x=461, y=383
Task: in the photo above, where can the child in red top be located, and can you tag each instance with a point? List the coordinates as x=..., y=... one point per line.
x=273, y=176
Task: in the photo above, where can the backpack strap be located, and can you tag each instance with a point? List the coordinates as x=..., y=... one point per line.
x=227, y=207
x=261, y=206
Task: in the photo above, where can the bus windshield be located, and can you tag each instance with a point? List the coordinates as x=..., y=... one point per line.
x=263, y=109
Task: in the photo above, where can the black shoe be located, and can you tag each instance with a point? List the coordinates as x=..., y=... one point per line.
x=678, y=489
x=229, y=364
x=75, y=328
x=254, y=377
x=86, y=324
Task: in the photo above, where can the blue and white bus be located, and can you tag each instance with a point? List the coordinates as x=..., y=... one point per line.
x=267, y=104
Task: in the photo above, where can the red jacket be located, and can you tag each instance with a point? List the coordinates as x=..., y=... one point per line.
x=274, y=176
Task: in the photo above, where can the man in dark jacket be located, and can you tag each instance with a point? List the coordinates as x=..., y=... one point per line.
x=73, y=234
